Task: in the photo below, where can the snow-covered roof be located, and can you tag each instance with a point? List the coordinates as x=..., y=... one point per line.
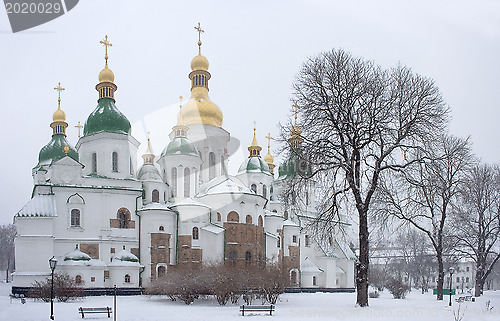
x=189, y=202
x=213, y=229
x=290, y=223
x=77, y=255
x=225, y=185
x=79, y=258
x=308, y=266
x=39, y=205
x=124, y=258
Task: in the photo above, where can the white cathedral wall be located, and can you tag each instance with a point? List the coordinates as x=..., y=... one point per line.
x=212, y=246
x=272, y=249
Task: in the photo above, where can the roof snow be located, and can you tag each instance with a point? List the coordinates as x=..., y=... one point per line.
x=213, y=229
x=308, y=266
x=39, y=205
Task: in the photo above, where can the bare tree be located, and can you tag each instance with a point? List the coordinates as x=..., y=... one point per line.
x=422, y=194
x=359, y=121
x=7, y=234
x=477, y=220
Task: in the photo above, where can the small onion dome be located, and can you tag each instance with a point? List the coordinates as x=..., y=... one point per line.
x=180, y=146
x=56, y=149
x=149, y=172
x=125, y=256
x=106, y=75
x=269, y=159
x=77, y=255
x=254, y=165
x=200, y=110
x=199, y=63
x=59, y=116
x=106, y=118
x=295, y=131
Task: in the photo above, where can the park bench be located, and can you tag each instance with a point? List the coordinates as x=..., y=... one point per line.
x=465, y=298
x=257, y=308
x=84, y=311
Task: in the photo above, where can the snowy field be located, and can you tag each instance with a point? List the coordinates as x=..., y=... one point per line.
x=316, y=306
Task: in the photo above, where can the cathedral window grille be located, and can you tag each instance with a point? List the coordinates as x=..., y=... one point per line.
x=196, y=234
x=219, y=218
x=187, y=185
x=294, y=238
x=78, y=279
x=307, y=241
x=75, y=217
x=115, y=162
x=211, y=165
x=248, y=219
x=127, y=278
x=232, y=258
x=248, y=257
x=161, y=228
x=264, y=191
x=123, y=217
x=161, y=271
x=155, y=197
x=233, y=217
x=94, y=163
x=174, y=181
x=254, y=188
x=261, y=221
x=293, y=277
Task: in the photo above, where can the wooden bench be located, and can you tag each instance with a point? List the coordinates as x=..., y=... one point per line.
x=83, y=311
x=464, y=298
x=257, y=308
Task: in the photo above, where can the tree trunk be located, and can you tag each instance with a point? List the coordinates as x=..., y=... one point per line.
x=362, y=275
x=440, y=280
x=478, y=288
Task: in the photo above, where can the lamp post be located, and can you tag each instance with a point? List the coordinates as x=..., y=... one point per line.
x=451, y=269
x=52, y=264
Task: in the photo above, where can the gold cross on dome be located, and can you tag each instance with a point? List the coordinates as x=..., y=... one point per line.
x=296, y=108
x=79, y=126
x=59, y=89
x=268, y=141
x=200, y=31
x=180, y=102
x=106, y=44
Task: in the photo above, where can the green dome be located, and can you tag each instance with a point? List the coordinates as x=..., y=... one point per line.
x=54, y=150
x=180, y=146
x=254, y=164
x=149, y=172
x=294, y=166
x=106, y=118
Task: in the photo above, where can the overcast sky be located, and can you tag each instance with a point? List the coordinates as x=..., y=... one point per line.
x=255, y=48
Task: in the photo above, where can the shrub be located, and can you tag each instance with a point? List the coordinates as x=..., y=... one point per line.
x=65, y=289
x=397, y=288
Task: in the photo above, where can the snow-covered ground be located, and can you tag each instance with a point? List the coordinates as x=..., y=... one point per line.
x=316, y=306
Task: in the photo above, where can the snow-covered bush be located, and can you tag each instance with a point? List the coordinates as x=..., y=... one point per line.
x=65, y=288
x=398, y=288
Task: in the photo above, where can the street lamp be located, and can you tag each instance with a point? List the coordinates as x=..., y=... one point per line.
x=451, y=269
x=52, y=264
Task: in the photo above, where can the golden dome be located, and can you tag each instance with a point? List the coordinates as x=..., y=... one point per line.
x=59, y=116
x=200, y=110
x=296, y=131
x=199, y=63
x=106, y=75
x=269, y=159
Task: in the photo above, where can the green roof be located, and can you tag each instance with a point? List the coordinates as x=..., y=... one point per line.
x=106, y=118
x=54, y=150
x=180, y=146
x=254, y=164
x=292, y=166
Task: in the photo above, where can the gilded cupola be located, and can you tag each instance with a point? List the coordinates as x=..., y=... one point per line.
x=200, y=110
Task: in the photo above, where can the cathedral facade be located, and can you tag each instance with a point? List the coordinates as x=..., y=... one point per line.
x=111, y=221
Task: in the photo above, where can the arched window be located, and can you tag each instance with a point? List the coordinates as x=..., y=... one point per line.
x=314, y=280
x=254, y=188
x=233, y=217
x=278, y=242
x=222, y=166
x=219, y=218
x=127, y=278
x=115, y=162
x=264, y=191
x=123, y=217
x=174, y=181
x=286, y=215
x=211, y=165
x=293, y=277
x=94, y=163
x=161, y=271
x=131, y=167
x=161, y=228
x=248, y=219
x=307, y=198
x=75, y=217
x=232, y=258
x=187, y=185
x=155, y=196
x=196, y=234
x=307, y=241
x=248, y=257
x=261, y=221
x=78, y=279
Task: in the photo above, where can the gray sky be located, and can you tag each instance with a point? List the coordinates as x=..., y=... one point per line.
x=254, y=47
